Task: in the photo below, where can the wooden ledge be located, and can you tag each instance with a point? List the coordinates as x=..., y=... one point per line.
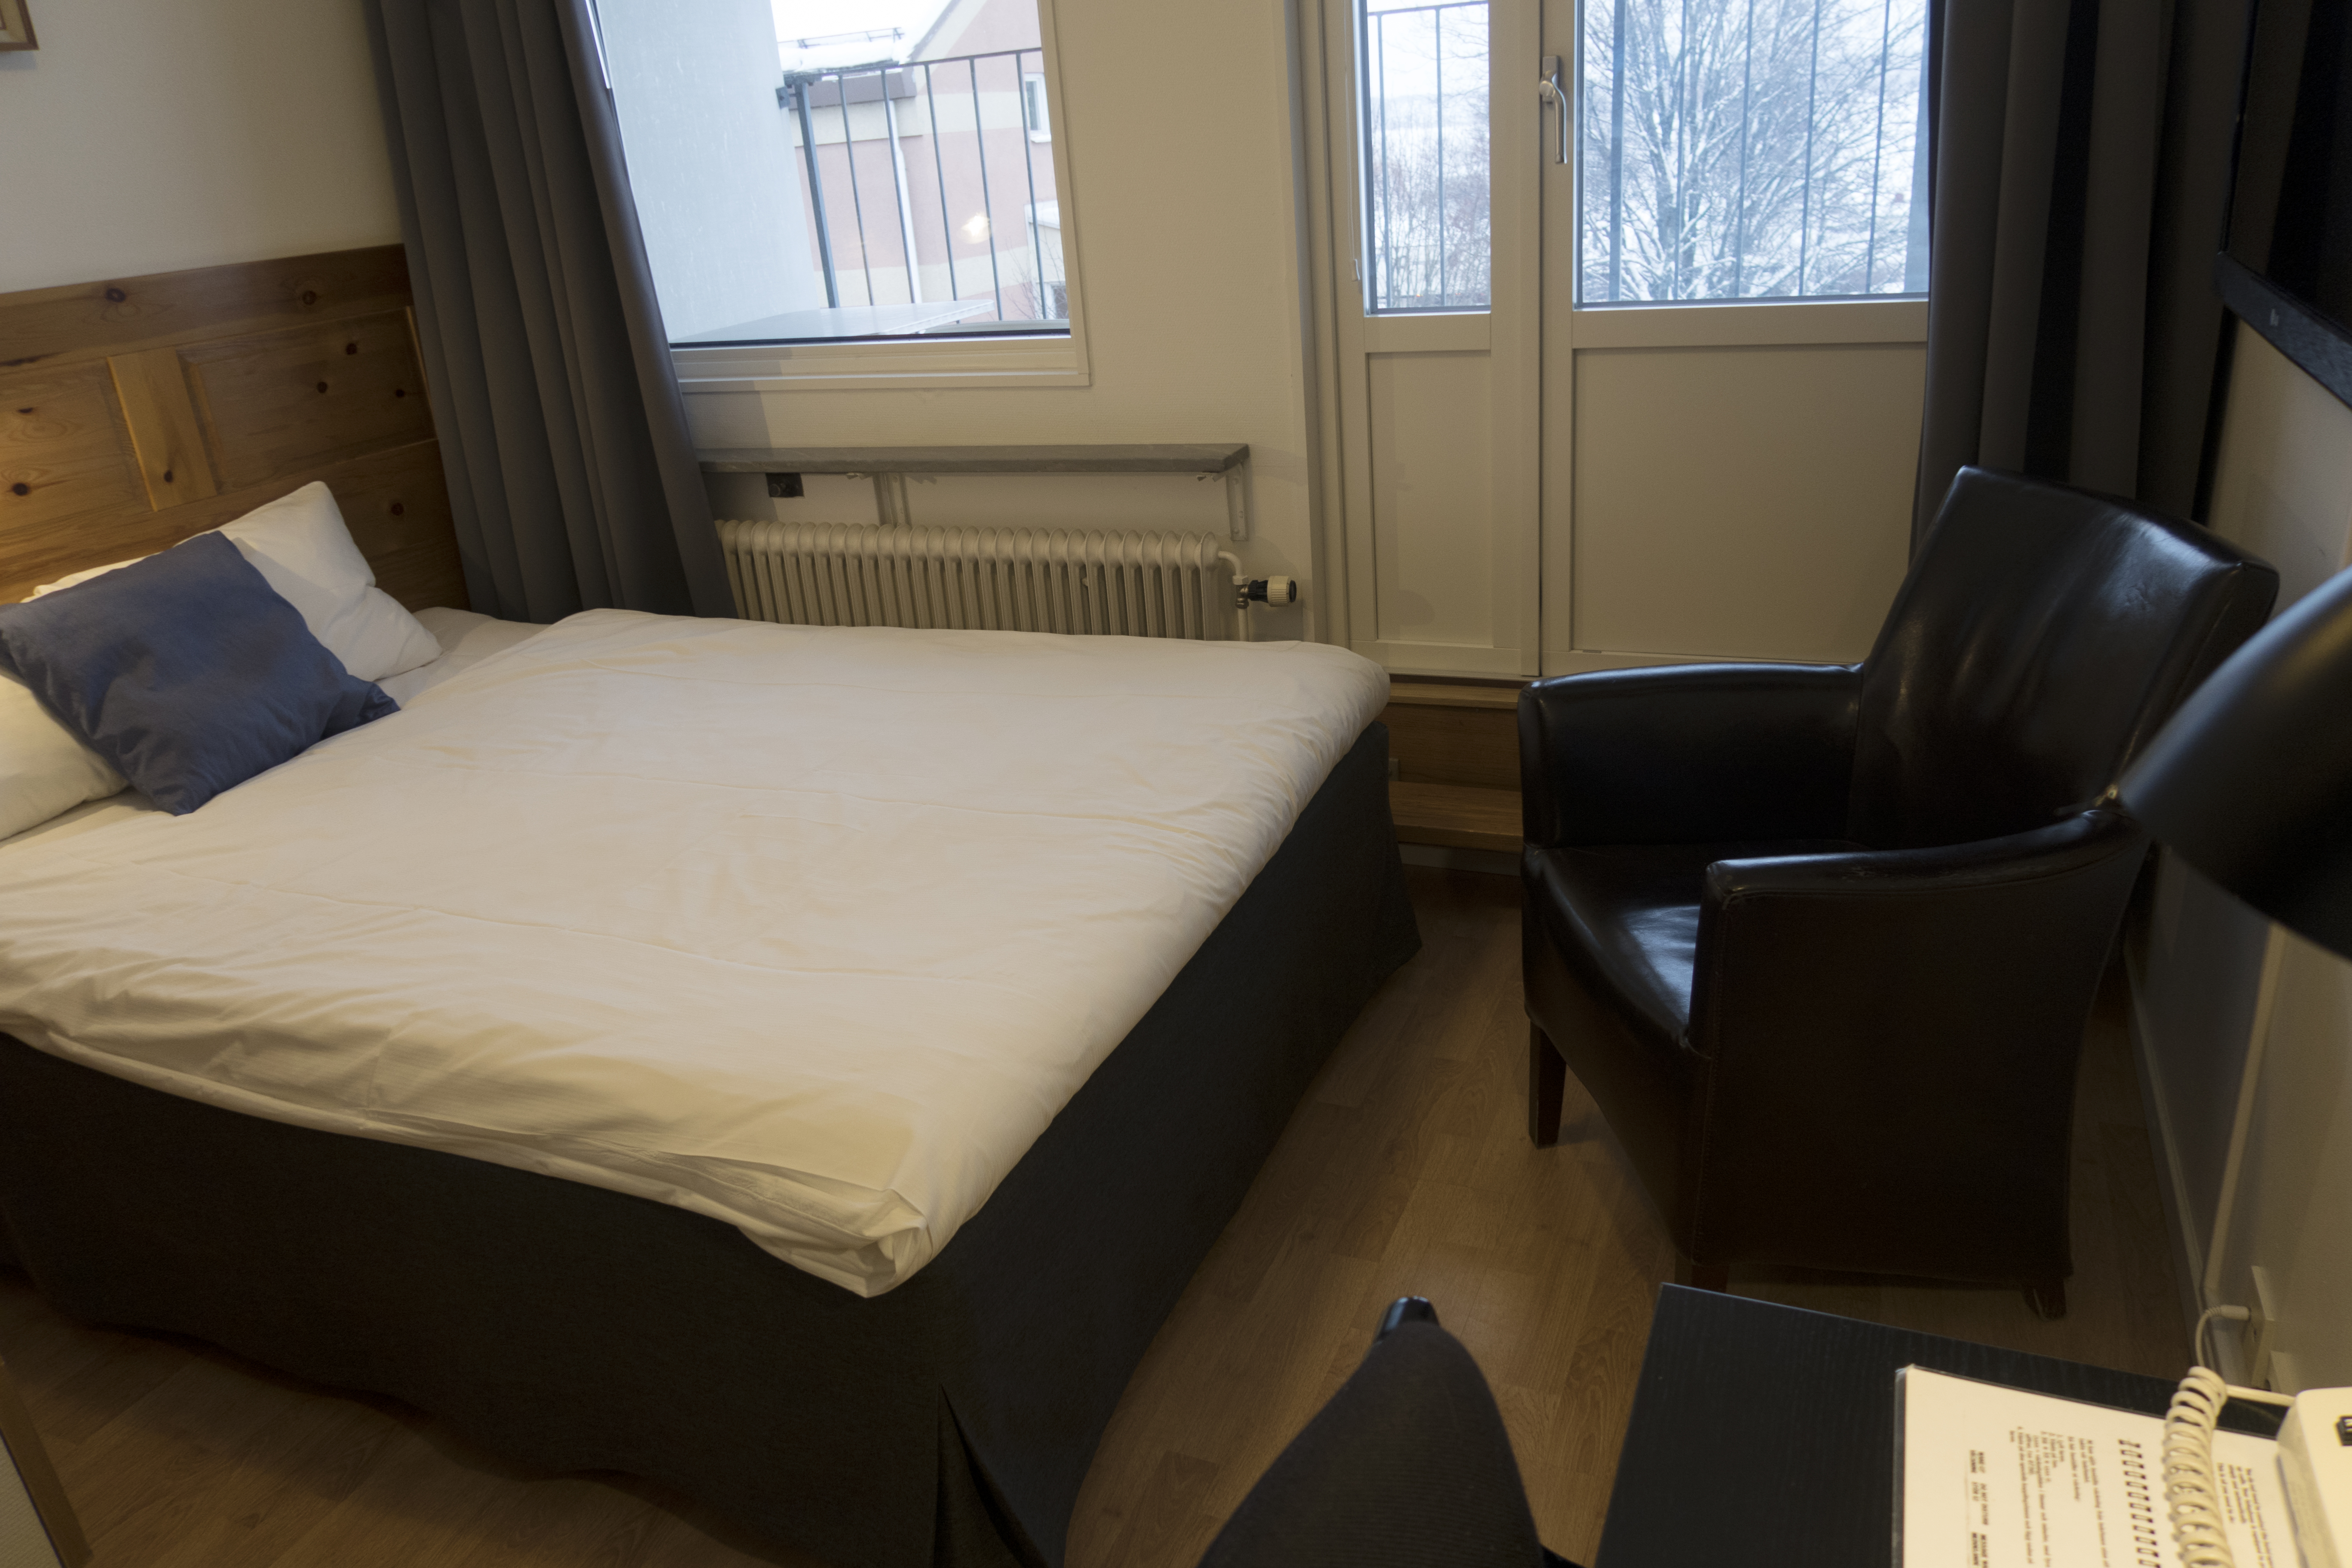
x=1429, y=694
x=1459, y=816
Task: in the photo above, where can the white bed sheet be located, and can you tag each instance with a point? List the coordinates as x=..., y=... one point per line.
x=465, y=640
x=810, y=930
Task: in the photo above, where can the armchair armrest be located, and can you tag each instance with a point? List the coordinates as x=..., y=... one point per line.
x=1738, y=889
x=1895, y=1036
x=1688, y=754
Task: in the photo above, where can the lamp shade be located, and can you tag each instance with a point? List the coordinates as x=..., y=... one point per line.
x=2251, y=782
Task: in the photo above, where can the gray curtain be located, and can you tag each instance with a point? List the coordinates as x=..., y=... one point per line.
x=572, y=477
x=2081, y=156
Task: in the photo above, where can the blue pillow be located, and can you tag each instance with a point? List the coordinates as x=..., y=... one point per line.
x=185, y=670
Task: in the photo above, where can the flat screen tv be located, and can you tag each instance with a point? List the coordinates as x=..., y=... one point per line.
x=2285, y=266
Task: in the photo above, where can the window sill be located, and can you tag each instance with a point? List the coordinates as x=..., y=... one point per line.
x=870, y=366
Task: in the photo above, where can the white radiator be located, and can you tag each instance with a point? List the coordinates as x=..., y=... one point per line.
x=981, y=579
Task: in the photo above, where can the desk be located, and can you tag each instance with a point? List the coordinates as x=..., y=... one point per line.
x=1764, y=1436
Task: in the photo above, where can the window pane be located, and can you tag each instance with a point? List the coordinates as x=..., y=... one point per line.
x=1752, y=149
x=1425, y=165
x=814, y=169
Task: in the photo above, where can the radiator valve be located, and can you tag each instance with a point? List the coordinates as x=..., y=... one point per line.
x=1271, y=592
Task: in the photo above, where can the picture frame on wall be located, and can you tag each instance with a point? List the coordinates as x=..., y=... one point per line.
x=16, y=25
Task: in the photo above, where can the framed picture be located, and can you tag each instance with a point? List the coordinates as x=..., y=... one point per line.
x=16, y=25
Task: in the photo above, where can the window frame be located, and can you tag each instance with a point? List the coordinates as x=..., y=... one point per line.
x=1038, y=109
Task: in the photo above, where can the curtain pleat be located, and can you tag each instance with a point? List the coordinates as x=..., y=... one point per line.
x=573, y=478
x=2080, y=158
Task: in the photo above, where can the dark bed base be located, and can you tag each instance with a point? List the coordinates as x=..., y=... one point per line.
x=949, y=1421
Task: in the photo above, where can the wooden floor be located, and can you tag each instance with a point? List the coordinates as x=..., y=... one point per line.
x=1406, y=1171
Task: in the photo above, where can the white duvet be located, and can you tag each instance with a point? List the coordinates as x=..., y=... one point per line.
x=813, y=930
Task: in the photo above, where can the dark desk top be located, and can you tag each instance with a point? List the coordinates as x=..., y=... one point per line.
x=1764, y=1436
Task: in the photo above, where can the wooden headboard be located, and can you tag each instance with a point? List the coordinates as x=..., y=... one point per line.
x=138, y=411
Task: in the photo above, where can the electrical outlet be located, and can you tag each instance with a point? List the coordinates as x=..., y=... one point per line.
x=2256, y=1334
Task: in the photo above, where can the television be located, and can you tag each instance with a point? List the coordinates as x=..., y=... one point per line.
x=2285, y=266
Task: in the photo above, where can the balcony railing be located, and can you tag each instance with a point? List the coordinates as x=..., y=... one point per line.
x=915, y=176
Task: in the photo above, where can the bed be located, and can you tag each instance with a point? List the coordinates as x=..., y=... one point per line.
x=932, y=1400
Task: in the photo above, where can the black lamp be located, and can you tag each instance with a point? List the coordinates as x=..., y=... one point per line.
x=2251, y=781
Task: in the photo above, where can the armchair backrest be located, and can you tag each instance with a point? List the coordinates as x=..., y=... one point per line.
x=2043, y=635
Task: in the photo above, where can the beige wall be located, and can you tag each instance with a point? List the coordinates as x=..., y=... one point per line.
x=145, y=136
x=1178, y=121
x=2217, y=987
x=150, y=136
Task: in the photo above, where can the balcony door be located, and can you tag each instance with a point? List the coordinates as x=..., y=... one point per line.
x=1650, y=390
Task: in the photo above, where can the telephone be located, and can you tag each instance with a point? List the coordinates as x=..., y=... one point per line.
x=2314, y=1457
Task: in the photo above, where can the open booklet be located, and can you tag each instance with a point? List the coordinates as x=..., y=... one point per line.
x=1990, y=1477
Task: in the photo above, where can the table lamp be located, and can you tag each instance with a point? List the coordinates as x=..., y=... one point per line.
x=2251, y=782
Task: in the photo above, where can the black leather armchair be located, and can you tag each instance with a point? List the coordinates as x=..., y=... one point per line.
x=1821, y=941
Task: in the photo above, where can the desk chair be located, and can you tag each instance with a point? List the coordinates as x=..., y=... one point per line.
x=1407, y=1466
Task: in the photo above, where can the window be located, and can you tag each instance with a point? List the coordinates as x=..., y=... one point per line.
x=1033, y=108
x=1426, y=180
x=817, y=171
x=1750, y=150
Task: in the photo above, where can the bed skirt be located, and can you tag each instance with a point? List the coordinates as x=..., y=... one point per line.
x=949, y=1421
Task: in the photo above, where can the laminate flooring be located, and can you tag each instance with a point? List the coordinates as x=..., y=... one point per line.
x=1406, y=1171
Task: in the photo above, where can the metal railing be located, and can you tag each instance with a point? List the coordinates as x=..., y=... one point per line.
x=889, y=199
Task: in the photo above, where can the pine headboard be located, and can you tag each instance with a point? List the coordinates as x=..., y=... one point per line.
x=137, y=411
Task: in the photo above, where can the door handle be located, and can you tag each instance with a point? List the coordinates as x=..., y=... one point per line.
x=1549, y=90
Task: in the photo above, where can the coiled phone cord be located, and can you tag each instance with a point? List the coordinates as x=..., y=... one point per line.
x=2190, y=1496
x=2198, y=1527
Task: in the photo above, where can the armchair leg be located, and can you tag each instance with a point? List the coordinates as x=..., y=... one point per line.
x=1716, y=1277
x=1547, y=1085
x=2047, y=1298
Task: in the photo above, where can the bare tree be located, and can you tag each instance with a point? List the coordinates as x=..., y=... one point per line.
x=1747, y=148
x=1427, y=159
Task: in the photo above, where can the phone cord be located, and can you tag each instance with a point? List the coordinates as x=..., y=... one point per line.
x=2187, y=1461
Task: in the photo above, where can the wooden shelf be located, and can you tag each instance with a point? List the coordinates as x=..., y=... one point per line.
x=1432, y=694
x=1459, y=816
x=1093, y=458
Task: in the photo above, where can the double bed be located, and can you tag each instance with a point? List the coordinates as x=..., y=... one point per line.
x=803, y=1066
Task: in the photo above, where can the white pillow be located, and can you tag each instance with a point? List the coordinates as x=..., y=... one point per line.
x=300, y=545
x=44, y=768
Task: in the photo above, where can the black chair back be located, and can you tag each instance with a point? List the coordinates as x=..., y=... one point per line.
x=2043, y=635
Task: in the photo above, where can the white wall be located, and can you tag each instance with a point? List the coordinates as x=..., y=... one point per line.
x=151, y=135
x=1178, y=124
x=710, y=160
x=2283, y=488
